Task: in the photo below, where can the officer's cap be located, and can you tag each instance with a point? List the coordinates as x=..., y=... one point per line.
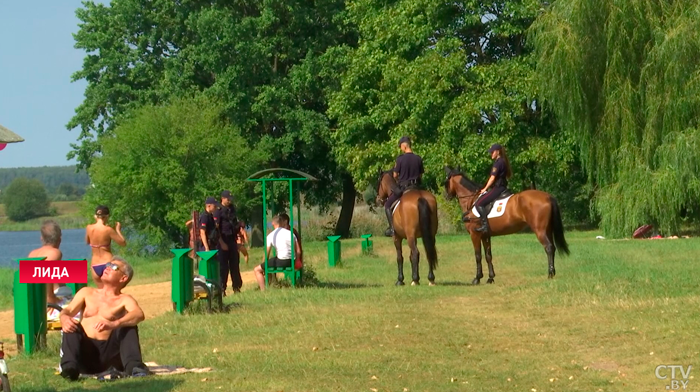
x=404, y=139
x=210, y=200
x=227, y=194
x=495, y=147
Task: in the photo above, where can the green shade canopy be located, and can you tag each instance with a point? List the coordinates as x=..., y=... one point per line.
x=7, y=136
x=280, y=169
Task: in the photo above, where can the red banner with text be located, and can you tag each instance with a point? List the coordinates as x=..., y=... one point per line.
x=61, y=271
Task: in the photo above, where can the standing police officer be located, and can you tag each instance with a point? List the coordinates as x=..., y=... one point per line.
x=208, y=230
x=408, y=170
x=228, y=255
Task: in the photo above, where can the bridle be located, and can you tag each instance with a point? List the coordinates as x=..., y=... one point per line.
x=471, y=194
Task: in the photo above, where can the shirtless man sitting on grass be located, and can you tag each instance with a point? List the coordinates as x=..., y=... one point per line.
x=107, y=336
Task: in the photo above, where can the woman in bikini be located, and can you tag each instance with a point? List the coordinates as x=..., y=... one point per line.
x=100, y=236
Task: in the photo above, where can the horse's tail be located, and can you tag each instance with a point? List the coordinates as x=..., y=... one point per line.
x=424, y=216
x=557, y=227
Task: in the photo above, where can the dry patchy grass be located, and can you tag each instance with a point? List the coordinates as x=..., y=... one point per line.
x=615, y=311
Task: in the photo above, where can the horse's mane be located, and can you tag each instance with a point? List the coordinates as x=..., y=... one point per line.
x=465, y=181
x=381, y=175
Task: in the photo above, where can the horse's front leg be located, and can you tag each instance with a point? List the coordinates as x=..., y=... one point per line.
x=476, y=241
x=487, y=252
x=399, y=259
x=415, y=257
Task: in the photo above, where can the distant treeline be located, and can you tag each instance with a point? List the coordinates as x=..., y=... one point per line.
x=56, y=179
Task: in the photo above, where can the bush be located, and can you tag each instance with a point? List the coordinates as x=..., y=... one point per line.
x=449, y=216
x=369, y=195
x=163, y=161
x=25, y=199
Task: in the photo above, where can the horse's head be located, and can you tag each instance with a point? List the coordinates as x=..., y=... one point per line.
x=455, y=181
x=450, y=188
x=384, y=185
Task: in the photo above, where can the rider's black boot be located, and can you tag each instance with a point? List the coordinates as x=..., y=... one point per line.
x=390, y=217
x=484, y=220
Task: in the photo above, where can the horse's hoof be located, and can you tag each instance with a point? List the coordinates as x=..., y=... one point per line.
x=551, y=275
x=414, y=283
x=475, y=282
x=431, y=283
x=400, y=283
x=490, y=280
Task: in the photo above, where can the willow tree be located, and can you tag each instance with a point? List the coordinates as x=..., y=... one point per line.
x=456, y=77
x=624, y=81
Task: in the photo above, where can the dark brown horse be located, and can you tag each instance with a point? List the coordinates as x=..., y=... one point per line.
x=414, y=217
x=533, y=208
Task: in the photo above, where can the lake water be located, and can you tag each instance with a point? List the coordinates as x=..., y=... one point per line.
x=18, y=244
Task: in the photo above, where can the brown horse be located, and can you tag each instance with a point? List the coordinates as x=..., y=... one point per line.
x=533, y=208
x=414, y=217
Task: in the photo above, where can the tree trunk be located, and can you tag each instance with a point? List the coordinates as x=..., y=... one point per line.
x=342, y=227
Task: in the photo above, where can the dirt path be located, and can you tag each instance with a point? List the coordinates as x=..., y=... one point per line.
x=154, y=299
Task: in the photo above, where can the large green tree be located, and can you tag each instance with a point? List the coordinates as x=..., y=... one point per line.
x=457, y=77
x=163, y=161
x=25, y=199
x=259, y=58
x=624, y=80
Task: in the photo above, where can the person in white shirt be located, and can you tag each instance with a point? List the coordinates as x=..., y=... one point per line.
x=281, y=240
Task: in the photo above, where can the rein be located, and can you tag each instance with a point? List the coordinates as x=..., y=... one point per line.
x=466, y=213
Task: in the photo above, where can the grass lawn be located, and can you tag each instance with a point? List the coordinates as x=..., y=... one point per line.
x=615, y=311
x=67, y=216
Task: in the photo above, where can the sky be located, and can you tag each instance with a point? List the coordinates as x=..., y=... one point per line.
x=37, y=97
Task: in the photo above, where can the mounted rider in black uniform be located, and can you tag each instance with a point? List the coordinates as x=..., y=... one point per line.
x=408, y=171
x=500, y=172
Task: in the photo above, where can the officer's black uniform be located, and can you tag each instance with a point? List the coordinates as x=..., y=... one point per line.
x=409, y=167
x=499, y=185
x=228, y=259
x=208, y=223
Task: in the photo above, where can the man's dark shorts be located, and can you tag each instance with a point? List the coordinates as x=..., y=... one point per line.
x=274, y=262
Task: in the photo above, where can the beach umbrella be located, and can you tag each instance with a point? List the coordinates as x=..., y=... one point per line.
x=7, y=136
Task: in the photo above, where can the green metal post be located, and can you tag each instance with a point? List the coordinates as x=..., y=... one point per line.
x=298, y=212
x=291, y=229
x=333, y=250
x=30, y=312
x=264, y=186
x=367, y=246
x=182, y=286
x=209, y=265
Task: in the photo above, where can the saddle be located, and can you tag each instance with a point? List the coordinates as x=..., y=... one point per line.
x=503, y=195
x=487, y=209
x=405, y=190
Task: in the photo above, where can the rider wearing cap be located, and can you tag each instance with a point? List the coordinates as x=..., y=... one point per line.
x=408, y=171
x=500, y=172
x=208, y=231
